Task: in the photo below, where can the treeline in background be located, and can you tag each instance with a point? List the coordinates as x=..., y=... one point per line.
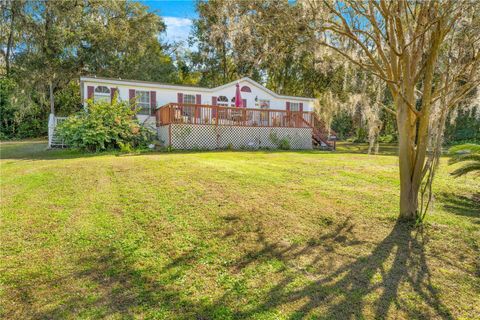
x=47, y=45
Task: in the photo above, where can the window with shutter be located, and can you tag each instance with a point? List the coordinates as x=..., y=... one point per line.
x=189, y=98
x=143, y=101
x=102, y=93
x=188, y=110
x=294, y=106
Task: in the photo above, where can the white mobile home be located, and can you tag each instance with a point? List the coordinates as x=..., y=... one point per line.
x=187, y=117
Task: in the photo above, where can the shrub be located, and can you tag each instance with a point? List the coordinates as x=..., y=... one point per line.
x=22, y=113
x=104, y=126
x=125, y=147
x=282, y=144
x=387, y=138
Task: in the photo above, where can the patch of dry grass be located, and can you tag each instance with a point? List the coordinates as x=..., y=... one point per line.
x=230, y=235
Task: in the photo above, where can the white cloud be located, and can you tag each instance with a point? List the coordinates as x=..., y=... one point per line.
x=178, y=29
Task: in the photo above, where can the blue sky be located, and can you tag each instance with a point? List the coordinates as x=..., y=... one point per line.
x=177, y=15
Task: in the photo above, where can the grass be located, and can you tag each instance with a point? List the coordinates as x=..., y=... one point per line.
x=230, y=235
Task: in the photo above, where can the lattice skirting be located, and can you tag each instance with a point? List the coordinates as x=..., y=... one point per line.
x=163, y=133
x=190, y=136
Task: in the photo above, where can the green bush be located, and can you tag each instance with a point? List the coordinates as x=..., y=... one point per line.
x=104, y=126
x=388, y=138
x=465, y=128
x=361, y=135
x=282, y=144
x=22, y=116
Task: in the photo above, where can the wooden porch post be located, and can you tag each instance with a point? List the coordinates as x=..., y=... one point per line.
x=195, y=114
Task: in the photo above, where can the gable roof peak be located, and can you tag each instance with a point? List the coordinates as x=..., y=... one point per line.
x=258, y=85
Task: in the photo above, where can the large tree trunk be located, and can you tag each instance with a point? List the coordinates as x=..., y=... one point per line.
x=409, y=186
x=408, y=193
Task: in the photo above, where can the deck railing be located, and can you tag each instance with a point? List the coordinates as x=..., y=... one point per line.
x=177, y=113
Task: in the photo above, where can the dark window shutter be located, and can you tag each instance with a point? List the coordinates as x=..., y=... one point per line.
x=112, y=93
x=244, y=103
x=90, y=92
x=301, y=107
x=198, y=99
x=153, y=101
x=288, y=106
x=214, y=110
x=180, y=97
x=131, y=95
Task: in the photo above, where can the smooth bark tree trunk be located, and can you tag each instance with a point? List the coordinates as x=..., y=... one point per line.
x=10, y=40
x=408, y=197
x=52, y=100
x=406, y=154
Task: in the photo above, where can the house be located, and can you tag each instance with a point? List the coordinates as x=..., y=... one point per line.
x=189, y=117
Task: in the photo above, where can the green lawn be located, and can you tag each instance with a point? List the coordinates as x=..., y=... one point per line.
x=230, y=235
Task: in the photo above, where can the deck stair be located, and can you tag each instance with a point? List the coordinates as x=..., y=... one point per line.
x=54, y=140
x=320, y=134
x=57, y=141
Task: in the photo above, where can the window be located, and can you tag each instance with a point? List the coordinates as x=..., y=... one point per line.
x=222, y=101
x=246, y=89
x=143, y=101
x=264, y=104
x=102, y=93
x=188, y=110
x=189, y=98
x=294, y=106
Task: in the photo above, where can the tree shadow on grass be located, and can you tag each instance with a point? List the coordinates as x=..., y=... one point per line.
x=398, y=260
x=108, y=285
x=462, y=205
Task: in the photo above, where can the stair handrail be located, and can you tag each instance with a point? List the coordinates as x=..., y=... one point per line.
x=318, y=134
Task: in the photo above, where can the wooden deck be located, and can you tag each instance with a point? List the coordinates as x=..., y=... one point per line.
x=175, y=113
x=200, y=114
